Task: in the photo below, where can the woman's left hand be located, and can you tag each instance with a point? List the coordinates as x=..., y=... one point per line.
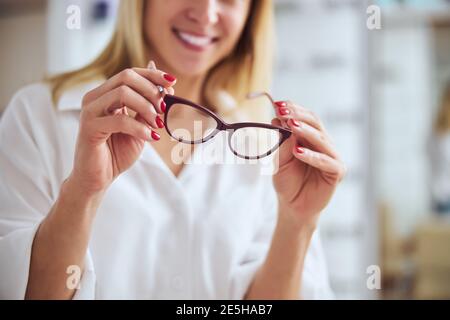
x=309, y=168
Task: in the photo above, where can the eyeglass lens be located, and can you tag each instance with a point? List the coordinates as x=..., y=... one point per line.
x=249, y=142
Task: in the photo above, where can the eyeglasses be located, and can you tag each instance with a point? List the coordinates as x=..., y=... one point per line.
x=190, y=123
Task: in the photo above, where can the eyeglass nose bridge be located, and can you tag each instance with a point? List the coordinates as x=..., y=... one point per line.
x=228, y=128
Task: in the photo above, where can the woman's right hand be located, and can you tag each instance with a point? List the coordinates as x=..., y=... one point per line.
x=116, y=120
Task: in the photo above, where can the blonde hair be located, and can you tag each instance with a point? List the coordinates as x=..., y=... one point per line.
x=246, y=69
x=442, y=123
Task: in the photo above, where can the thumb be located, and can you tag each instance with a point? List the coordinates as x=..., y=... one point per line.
x=285, y=151
x=151, y=65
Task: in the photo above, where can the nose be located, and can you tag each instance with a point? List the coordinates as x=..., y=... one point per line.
x=204, y=12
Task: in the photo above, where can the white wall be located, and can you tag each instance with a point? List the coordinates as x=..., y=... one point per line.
x=404, y=103
x=22, y=52
x=72, y=48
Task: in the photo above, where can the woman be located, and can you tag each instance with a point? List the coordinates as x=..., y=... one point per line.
x=124, y=220
x=440, y=157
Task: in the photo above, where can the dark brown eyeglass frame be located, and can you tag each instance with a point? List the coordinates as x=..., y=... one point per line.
x=171, y=100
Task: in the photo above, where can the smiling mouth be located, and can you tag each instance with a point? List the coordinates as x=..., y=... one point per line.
x=194, y=41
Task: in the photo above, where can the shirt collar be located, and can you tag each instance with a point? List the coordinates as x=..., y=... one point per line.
x=71, y=98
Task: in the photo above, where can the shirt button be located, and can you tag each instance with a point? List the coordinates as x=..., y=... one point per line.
x=177, y=283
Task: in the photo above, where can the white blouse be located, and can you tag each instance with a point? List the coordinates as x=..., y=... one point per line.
x=202, y=235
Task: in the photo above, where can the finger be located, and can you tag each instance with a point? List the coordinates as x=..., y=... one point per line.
x=124, y=96
x=170, y=91
x=155, y=135
x=282, y=114
x=286, y=110
x=284, y=152
x=276, y=122
x=143, y=81
x=151, y=65
x=317, y=139
x=332, y=167
x=157, y=76
x=121, y=123
x=161, y=90
x=128, y=76
x=307, y=116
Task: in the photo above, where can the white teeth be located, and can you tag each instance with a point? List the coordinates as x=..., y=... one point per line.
x=195, y=40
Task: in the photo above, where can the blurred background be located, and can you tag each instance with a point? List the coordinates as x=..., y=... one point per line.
x=383, y=91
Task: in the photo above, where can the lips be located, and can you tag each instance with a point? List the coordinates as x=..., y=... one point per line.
x=194, y=41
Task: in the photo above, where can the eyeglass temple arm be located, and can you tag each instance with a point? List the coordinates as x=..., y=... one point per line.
x=254, y=95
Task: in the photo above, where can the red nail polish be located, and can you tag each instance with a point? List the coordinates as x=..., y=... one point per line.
x=159, y=122
x=163, y=107
x=284, y=111
x=295, y=123
x=299, y=150
x=155, y=136
x=169, y=77
x=281, y=104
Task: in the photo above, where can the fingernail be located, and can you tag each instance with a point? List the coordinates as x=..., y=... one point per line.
x=295, y=123
x=159, y=122
x=299, y=150
x=281, y=104
x=169, y=77
x=163, y=107
x=283, y=111
x=155, y=136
